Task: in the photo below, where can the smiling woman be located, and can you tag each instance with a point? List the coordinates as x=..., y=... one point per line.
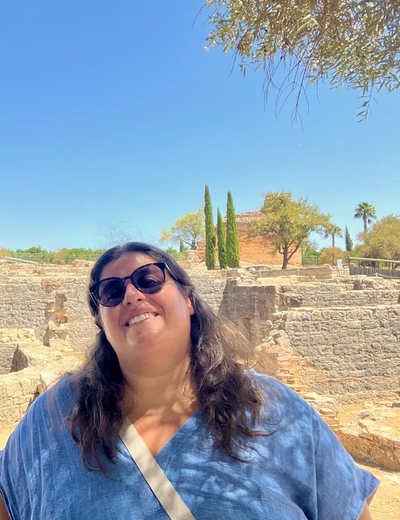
x=165, y=368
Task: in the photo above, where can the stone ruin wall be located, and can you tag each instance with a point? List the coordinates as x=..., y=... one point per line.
x=343, y=335
x=335, y=337
x=49, y=299
x=32, y=369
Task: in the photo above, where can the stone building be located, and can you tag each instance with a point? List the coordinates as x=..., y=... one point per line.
x=257, y=249
x=252, y=249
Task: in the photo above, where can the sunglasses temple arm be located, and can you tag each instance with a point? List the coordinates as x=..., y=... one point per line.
x=93, y=298
x=170, y=272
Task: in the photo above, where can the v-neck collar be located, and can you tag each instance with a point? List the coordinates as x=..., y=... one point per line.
x=179, y=438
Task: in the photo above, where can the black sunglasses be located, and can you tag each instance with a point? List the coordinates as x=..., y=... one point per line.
x=148, y=279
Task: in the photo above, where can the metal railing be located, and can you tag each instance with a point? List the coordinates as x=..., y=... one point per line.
x=374, y=267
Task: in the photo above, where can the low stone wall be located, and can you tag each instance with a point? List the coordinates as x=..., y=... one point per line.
x=341, y=292
x=380, y=448
x=34, y=368
x=51, y=300
x=10, y=341
x=321, y=272
x=356, y=349
x=373, y=436
x=17, y=391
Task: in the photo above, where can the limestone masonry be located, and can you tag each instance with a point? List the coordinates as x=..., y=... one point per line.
x=334, y=339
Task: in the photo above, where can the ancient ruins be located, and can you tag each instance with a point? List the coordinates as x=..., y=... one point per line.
x=333, y=338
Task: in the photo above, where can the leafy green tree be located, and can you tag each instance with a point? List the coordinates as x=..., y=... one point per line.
x=210, y=231
x=178, y=255
x=347, y=42
x=366, y=212
x=287, y=223
x=310, y=253
x=67, y=256
x=330, y=255
x=348, y=240
x=221, y=241
x=232, y=237
x=383, y=239
x=61, y=256
x=333, y=231
x=189, y=229
x=34, y=254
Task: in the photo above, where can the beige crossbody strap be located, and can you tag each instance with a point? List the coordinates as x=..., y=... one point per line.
x=153, y=474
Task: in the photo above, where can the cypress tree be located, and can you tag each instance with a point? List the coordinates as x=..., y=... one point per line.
x=210, y=231
x=221, y=241
x=232, y=237
x=348, y=240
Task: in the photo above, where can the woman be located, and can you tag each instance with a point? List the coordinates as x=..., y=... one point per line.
x=232, y=442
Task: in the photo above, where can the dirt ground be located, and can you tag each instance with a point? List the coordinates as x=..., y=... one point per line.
x=386, y=503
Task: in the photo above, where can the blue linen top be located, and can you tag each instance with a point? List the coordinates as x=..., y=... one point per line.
x=301, y=471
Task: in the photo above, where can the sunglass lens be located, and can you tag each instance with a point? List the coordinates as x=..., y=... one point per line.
x=111, y=292
x=149, y=278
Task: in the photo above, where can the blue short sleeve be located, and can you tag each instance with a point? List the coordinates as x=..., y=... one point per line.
x=338, y=479
x=333, y=486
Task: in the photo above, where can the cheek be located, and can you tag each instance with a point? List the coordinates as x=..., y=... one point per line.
x=106, y=319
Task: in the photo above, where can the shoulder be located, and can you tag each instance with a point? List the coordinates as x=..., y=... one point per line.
x=37, y=450
x=280, y=402
x=269, y=383
x=43, y=427
x=57, y=400
x=303, y=442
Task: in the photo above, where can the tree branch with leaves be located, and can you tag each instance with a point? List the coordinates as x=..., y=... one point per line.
x=189, y=229
x=346, y=42
x=382, y=240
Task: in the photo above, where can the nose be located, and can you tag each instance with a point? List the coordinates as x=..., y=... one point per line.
x=132, y=295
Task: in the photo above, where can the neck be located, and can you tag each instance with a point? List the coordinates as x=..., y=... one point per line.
x=159, y=393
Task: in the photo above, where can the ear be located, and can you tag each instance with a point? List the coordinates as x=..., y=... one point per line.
x=190, y=301
x=98, y=322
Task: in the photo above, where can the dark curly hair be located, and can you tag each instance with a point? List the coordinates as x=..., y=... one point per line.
x=229, y=400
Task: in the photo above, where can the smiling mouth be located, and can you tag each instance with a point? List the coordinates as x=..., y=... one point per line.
x=141, y=317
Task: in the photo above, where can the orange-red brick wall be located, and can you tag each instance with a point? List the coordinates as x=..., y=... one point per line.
x=256, y=250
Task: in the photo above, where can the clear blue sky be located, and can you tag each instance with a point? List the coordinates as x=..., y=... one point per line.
x=113, y=118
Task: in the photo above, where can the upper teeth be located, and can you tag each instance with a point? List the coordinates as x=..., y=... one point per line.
x=141, y=317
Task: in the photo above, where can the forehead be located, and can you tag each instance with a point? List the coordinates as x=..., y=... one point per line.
x=125, y=265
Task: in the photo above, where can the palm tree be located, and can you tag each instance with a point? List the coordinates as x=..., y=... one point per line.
x=333, y=231
x=367, y=212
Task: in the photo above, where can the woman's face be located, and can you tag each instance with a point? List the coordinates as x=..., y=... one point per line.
x=150, y=333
